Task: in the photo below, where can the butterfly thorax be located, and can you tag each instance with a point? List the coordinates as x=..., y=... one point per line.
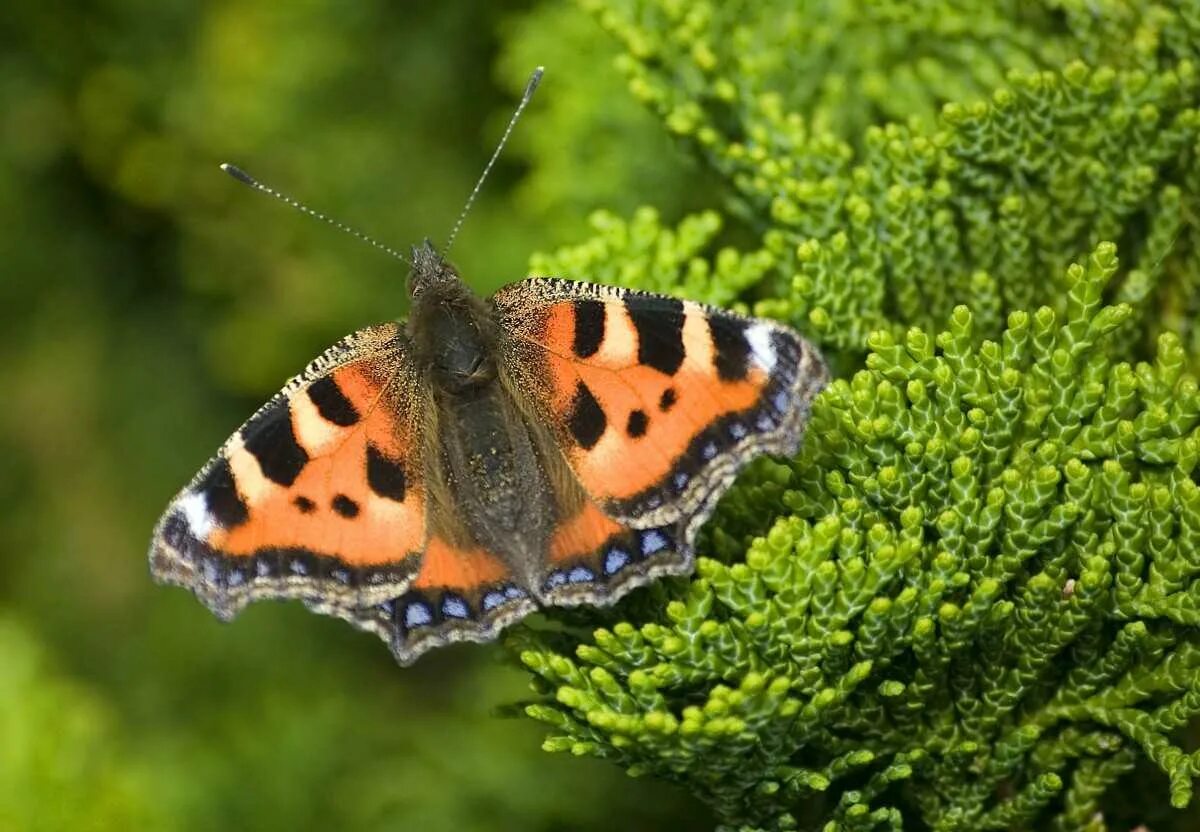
x=453, y=341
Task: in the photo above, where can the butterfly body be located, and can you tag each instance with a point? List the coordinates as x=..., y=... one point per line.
x=558, y=443
x=484, y=462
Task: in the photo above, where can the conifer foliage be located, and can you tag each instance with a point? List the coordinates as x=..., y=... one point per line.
x=971, y=601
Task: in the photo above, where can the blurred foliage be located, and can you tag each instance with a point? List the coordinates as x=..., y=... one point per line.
x=148, y=303
x=583, y=154
x=62, y=767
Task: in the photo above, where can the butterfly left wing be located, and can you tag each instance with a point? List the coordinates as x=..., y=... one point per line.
x=318, y=496
x=655, y=403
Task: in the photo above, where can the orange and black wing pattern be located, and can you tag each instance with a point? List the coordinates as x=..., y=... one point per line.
x=594, y=559
x=460, y=593
x=656, y=402
x=318, y=496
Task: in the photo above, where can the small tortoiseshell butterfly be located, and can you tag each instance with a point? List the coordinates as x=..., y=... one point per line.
x=434, y=481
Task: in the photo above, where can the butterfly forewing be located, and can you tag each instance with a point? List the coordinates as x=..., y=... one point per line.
x=317, y=496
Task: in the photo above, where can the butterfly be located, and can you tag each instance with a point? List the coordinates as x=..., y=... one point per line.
x=560, y=443
x=436, y=480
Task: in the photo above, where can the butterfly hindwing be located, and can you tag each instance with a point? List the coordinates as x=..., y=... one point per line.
x=317, y=496
x=460, y=593
x=656, y=402
x=594, y=559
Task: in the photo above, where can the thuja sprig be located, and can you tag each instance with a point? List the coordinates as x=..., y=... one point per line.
x=978, y=579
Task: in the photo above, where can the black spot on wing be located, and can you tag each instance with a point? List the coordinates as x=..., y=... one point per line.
x=385, y=476
x=305, y=505
x=586, y=420
x=270, y=439
x=659, y=325
x=731, y=350
x=667, y=400
x=636, y=426
x=221, y=495
x=589, y=327
x=725, y=436
x=344, y=506
x=332, y=403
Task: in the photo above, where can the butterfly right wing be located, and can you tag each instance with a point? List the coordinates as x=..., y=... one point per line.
x=654, y=404
x=318, y=496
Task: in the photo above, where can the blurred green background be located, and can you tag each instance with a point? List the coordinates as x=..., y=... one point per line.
x=148, y=304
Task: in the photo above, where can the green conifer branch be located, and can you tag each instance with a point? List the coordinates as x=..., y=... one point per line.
x=971, y=600
x=976, y=563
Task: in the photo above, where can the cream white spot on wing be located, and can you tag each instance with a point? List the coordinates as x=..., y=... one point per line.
x=313, y=431
x=252, y=484
x=697, y=339
x=759, y=337
x=195, y=511
x=619, y=347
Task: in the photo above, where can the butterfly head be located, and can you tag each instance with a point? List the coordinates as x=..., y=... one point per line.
x=430, y=271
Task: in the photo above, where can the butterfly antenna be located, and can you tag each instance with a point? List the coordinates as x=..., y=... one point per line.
x=246, y=179
x=530, y=87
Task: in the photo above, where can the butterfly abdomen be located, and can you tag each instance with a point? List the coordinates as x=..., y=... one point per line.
x=492, y=471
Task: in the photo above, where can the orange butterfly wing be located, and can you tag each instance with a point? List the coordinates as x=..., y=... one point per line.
x=656, y=402
x=318, y=496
